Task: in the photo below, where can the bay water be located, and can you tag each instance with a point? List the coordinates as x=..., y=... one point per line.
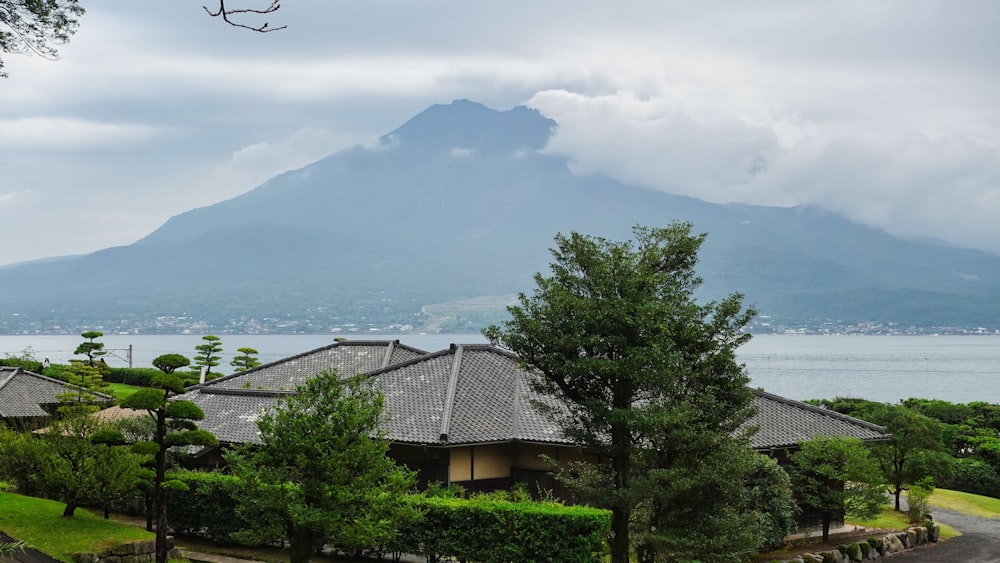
x=959, y=369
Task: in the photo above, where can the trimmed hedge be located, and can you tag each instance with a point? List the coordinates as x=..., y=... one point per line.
x=207, y=509
x=477, y=529
x=484, y=529
x=140, y=377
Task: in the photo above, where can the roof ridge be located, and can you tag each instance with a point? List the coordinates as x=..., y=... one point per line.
x=449, y=397
x=10, y=377
x=425, y=357
x=515, y=415
x=821, y=410
x=247, y=392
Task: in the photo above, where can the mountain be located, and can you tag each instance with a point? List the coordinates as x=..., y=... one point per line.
x=449, y=217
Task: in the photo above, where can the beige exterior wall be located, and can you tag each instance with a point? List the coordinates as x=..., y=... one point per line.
x=491, y=461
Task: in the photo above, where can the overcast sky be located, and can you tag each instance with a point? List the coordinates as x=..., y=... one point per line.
x=886, y=111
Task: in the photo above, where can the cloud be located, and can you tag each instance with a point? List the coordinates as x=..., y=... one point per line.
x=727, y=147
x=69, y=133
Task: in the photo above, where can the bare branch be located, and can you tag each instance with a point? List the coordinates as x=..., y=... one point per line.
x=226, y=15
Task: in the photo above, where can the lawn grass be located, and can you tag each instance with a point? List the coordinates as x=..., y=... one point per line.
x=39, y=524
x=121, y=390
x=890, y=519
x=966, y=503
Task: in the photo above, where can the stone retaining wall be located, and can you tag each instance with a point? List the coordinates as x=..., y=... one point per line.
x=874, y=548
x=131, y=552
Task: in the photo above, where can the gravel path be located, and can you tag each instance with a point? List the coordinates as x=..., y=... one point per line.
x=979, y=542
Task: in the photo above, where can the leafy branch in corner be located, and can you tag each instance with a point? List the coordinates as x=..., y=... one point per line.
x=227, y=15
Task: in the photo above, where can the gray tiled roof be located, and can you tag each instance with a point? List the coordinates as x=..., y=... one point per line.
x=783, y=423
x=232, y=404
x=466, y=394
x=462, y=395
x=24, y=393
x=349, y=358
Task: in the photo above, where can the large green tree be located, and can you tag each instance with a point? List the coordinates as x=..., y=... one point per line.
x=914, y=451
x=175, y=426
x=837, y=475
x=84, y=464
x=321, y=474
x=618, y=337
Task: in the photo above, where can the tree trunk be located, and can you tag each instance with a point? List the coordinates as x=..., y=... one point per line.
x=827, y=516
x=69, y=510
x=107, y=511
x=160, y=502
x=896, y=493
x=149, y=511
x=302, y=545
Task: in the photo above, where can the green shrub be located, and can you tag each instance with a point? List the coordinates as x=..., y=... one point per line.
x=484, y=529
x=972, y=476
x=132, y=376
x=26, y=364
x=207, y=509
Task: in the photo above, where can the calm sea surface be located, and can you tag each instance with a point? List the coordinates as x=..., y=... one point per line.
x=879, y=368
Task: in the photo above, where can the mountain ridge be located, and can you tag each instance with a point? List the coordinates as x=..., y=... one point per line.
x=460, y=202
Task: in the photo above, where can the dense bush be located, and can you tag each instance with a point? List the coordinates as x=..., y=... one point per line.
x=972, y=476
x=23, y=363
x=207, y=508
x=485, y=529
x=478, y=529
x=131, y=376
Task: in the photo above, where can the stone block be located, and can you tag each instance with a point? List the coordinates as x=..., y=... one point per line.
x=894, y=544
x=933, y=533
x=85, y=557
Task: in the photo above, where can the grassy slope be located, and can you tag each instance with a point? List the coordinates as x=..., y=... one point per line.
x=39, y=524
x=966, y=503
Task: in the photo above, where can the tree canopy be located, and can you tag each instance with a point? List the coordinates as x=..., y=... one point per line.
x=834, y=474
x=617, y=335
x=321, y=474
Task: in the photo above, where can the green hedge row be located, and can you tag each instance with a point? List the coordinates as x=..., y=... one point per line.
x=484, y=529
x=131, y=376
x=477, y=529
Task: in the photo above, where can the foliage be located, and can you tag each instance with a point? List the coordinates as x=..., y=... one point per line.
x=207, y=354
x=769, y=489
x=169, y=363
x=39, y=523
x=175, y=426
x=88, y=382
x=80, y=465
x=485, y=529
x=23, y=460
x=832, y=474
x=912, y=453
x=744, y=500
x=246, y=359
x=321, y=473
x=972, y=476
x=91, y=347
x=207, y=508
x=32, y=26
x=618, y=338
x=141, y=377
x=918, y=499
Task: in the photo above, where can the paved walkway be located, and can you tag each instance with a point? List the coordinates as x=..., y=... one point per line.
x=979, y=542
